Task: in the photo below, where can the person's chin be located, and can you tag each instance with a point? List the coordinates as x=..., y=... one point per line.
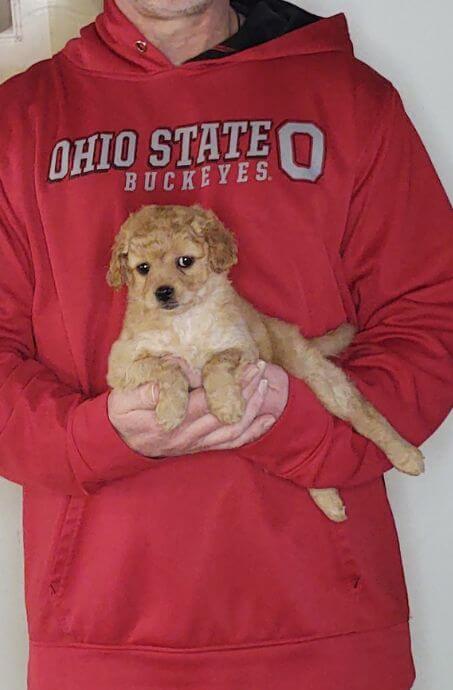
x=162, y=9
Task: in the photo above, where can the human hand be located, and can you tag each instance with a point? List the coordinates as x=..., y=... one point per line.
x=274, y=402
x=132, y=415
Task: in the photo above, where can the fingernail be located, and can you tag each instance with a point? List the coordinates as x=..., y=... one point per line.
x=154, y=393
x=251, y=373
x=263, y=386
x=261, y=365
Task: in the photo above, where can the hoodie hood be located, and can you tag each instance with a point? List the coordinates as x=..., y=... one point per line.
x=114, y=46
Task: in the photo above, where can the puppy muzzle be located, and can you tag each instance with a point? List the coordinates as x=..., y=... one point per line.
x=165, y=295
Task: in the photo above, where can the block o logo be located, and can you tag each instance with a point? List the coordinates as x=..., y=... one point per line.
x=286, y=136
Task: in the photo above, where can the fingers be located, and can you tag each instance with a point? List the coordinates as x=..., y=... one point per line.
x=143, y=397
x=230, y=432
x=146, y=396
x=277, y=394
x=251, y=370
x=198, y=406
x=257, y=428
x=200, y=430
x=195, y=428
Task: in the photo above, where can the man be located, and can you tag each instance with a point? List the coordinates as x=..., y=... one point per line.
x=196, y=559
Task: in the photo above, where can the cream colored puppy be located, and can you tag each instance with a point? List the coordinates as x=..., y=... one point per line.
x=175, y=261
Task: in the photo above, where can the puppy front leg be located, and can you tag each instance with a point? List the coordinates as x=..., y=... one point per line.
x=173, y=395
x=127, y=371
x=173, y=387
x=221, y=381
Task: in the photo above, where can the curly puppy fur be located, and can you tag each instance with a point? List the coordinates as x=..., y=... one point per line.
x=175, y=262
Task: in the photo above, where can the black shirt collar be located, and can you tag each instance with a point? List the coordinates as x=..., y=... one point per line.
x=264, y=20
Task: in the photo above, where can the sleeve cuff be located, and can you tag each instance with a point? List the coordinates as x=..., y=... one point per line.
x=98, y=454
x=299, y=438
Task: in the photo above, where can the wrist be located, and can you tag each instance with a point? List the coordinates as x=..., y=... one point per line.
x=299, y=434
x=98, y=453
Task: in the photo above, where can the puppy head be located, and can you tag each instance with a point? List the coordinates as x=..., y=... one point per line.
x=166, y=255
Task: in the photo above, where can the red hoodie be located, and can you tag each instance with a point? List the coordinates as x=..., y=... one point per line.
x=216, y=571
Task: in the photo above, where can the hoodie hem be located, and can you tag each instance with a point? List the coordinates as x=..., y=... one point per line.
x=382, y=657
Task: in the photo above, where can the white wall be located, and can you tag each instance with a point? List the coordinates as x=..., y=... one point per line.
x=42, y=28
x=31, y=38
x=408, y=41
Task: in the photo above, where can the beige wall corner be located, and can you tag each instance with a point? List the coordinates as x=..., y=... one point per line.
x=41, y=28
x=67, y=17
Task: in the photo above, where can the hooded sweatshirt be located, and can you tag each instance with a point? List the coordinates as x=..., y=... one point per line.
x=216, y=571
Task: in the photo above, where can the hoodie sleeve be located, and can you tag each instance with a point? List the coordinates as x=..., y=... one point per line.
x=50, y=435
x=397, y=256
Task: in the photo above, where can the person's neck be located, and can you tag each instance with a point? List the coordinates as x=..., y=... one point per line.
x=184, y=37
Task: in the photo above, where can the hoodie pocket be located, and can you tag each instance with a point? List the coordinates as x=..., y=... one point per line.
x=205, y=553
x=71, y=520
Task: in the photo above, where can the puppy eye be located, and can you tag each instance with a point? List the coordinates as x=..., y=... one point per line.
x=143, y=269
x=185, y=261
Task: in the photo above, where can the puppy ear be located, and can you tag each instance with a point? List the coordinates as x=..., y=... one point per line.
x=221, y=242
x=222, y=248
x=117, y=273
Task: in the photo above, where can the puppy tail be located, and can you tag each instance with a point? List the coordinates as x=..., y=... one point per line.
x=335, y=341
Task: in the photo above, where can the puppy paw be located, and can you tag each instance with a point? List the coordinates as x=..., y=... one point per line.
x=330, y=502
x=171, y=410
x=227, y=404
x=410, y=461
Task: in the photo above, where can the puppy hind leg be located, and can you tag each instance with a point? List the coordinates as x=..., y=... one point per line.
x=340, y=396
x=330, y=502
x=370, y=423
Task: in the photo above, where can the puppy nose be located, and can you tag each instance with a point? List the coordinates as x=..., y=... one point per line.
x=164, y=293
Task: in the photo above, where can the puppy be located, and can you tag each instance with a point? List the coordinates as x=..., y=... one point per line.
x=175, y=261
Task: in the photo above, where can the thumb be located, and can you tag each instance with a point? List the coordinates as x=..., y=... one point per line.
x=144, y=397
